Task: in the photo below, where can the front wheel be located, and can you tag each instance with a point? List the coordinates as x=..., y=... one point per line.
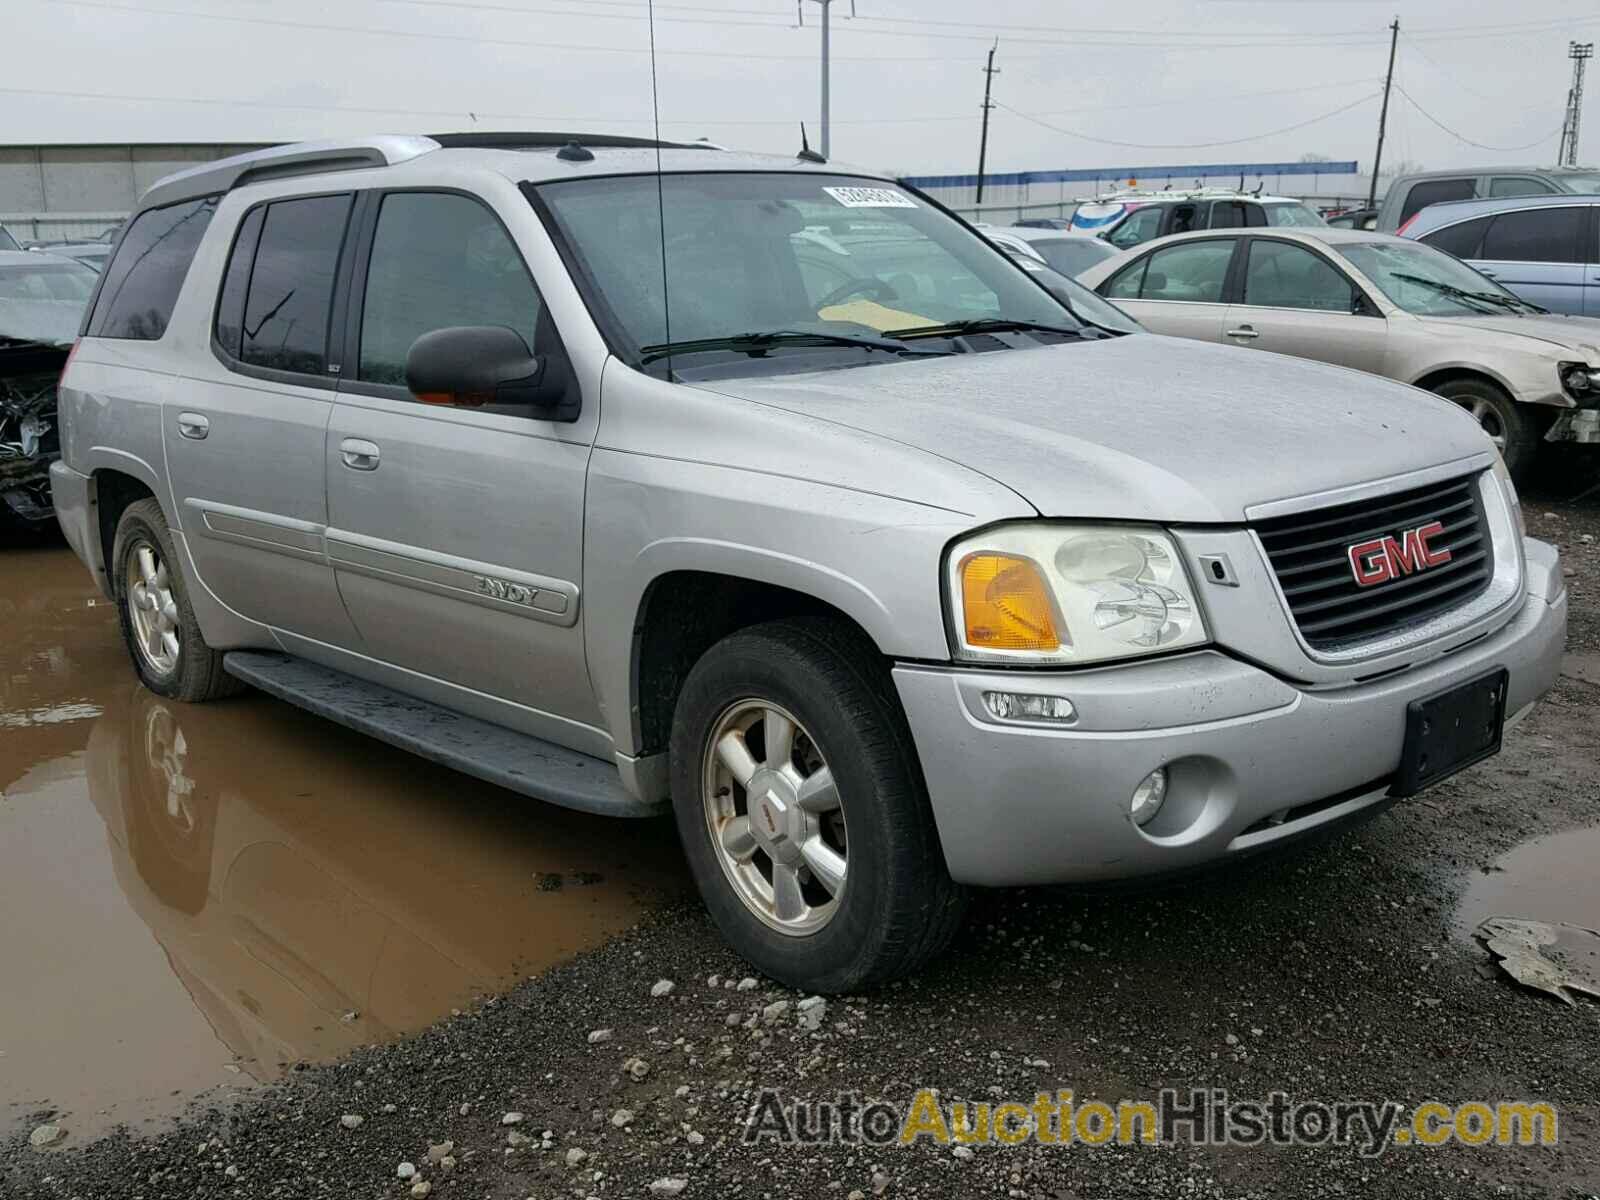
x=802, y=809
x=1509, y=425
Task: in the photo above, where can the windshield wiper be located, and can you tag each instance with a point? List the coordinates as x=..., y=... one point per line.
x=1463, y=295
x=982, y=325
x=757, y=344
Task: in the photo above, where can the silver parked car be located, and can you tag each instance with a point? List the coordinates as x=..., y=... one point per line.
x=1070, y=254
x=1546, y=249
x=1410, y=194
x=1381, y=304
x=638, y=477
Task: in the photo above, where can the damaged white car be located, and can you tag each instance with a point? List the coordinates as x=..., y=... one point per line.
x=42, y=299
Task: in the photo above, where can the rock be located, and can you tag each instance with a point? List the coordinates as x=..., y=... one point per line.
x=511, y=1118
x=421, y=1188
x=232, y=1171
x=856, y=1194
x=406, y=1170
x=1232, y=1039
x=464, y=1109
x=389, y=1108
x=622, y=1118
x=962, y=1152
x=695, y=1138
x=517, y=1140
x=681, y=1091
x=439, y=1151
x=775, y=1011
x=713, y=981
x=638, y=1068
x=351, y=1017
x=747, y=984
x=662, y=987
x=576, y=1155
x=46, y=1135
x=668, y=1186
x=732, y=1020
x=880, y=1182
x=813, y=1010
x=447, y=1163
x=352, y=1120
x=596, y=1036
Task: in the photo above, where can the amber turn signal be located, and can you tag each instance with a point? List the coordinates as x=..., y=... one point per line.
x=1006, y=603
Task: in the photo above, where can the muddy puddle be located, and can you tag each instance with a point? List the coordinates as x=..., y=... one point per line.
x=196, y=896
x=1552, y=879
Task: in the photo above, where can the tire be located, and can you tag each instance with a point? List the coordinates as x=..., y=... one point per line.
x=1514, y=430
x=896, y=906
x=158, y=623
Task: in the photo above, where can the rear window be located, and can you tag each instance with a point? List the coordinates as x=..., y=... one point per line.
x=147, y=272
x=1073, y=256
x=1435, y=191
x=277, y=290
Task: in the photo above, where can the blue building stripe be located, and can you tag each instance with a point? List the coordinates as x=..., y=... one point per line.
x=1184, y=172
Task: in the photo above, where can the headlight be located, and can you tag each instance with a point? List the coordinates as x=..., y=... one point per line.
x=1503, y=474
x=1043, y=593
x=1580, y=380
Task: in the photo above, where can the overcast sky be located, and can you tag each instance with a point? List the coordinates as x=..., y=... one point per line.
x=1164, y=76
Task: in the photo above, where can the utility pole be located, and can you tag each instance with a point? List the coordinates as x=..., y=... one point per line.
x=989, y=73
x=1383, y=115
x=1580, y=53
x=825, y=6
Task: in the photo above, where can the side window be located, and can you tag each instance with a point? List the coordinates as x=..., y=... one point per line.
x=1280, y=275
x=1435, y=191
x=1519, y=185
x=1126, y=283
x=1227, y=214
x=1194, y=272
x=230, y=305
x=439, y=260
x=1535, y=235
x=1186, y=218
x=290, y=295
x=1142, y=225
x=1464, y=240
x=144, y=278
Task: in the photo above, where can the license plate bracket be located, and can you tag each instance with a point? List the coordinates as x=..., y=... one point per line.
x=1450, y=731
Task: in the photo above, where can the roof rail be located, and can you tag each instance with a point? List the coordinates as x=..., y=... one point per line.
x=277, y=162
x=542, y=140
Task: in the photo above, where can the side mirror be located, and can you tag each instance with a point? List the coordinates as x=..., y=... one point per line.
x=470, y=366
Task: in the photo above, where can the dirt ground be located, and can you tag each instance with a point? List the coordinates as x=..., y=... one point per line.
x=1341, y=971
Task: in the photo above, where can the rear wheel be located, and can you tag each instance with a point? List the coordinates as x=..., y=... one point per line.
x=802, y=810
x=1509, y=425
x=158, y=624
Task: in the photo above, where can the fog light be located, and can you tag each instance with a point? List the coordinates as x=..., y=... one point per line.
x=1148, y=796
x=1020, y=706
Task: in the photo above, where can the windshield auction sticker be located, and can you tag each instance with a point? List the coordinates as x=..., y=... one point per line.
x=865, y=197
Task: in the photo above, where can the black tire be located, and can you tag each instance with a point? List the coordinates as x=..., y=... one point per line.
x=197, y=673
x=899, y=908
x=1501, y=417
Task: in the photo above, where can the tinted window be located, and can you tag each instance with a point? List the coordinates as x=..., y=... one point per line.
x=1434, y=191
x=1519, y=185
x=439, y=261
x=291, y=285
x=144, y=279
x=1227, y=214
x=1463, y=240
x=1193, y=272
x=1537, y=235
x=230, y=307
x=1284, y=276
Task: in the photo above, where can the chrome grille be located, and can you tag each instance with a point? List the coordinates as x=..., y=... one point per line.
x=1309, y=553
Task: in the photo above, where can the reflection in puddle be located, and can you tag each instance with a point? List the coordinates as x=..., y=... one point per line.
x=210, y=892
x=1550, y=879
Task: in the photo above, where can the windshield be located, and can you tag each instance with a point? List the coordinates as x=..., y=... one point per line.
x=1291, y=212
x=1429, y=282
x=43, y=301
x=1087, y=306
x=835, y=256
x=1073, y=256
x=1582, y=185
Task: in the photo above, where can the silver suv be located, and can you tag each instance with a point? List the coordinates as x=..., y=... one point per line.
x=634, y=477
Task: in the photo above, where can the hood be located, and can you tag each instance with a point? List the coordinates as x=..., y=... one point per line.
x=1580, y=334
x=1139, y=427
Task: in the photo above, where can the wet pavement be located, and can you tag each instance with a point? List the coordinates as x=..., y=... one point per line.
x=198, y=896
x=1555, y=878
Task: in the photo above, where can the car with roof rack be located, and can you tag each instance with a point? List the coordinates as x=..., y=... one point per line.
x=643, y=477
x=1129, y=218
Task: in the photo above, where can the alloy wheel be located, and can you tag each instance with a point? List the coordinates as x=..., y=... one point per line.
x=152, y=608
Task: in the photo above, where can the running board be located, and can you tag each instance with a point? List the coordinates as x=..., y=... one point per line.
x=486, y=751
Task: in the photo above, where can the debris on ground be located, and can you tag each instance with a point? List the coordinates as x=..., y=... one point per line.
x=1554, y=958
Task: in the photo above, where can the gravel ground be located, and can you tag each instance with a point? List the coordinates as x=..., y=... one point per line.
x=1335, y=972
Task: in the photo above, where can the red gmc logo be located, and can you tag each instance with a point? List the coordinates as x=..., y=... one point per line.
x=1386, y=558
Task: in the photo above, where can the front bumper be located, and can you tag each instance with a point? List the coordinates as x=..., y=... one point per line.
x=1252, y=759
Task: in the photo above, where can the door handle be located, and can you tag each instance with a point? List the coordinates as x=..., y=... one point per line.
x=1244, y=331
x=1490, y=274
x=359, y=455
x=193, y=426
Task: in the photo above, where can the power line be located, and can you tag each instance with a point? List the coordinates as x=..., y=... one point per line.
x=1466, y=140
x=1189, y=145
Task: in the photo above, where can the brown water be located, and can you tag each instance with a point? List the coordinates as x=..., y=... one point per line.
x=195, y=896
x=1552, y=879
